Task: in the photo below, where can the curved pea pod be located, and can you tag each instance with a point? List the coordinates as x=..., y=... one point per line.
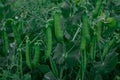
x=57, y=27
x=49, y=40
x=37, y=55
x=27, y=54
x=97, y=8
x=107, y=47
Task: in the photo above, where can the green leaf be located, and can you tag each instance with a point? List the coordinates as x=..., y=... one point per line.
x=49, y=76
x=110, y=62
x=27, y=77
x=54, y=67
x=44, y=68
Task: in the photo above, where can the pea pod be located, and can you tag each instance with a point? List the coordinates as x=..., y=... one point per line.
x=32, y=63
x=28, y=59
x=85, y=28
x=83, y=43
x=37, y=54
x=83, y=64
x=57, y=27
x=49, y=39
x=97, y=8
x=85, y=36
x=99, y=30
x=93, y=49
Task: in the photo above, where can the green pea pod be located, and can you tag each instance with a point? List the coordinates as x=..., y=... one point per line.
x=49, y=40
x=93, y=49
x=97, y=8
x=85, y=28
x=57, y=27
x=32, y=63
x=83, y=44
x=85, y=36
x=5, y=40
x=107, y=47
x=99, y=30
x=28, y=60
x=37, y=55
x=83, y=64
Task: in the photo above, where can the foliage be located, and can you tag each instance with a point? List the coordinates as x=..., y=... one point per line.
x=59, y=40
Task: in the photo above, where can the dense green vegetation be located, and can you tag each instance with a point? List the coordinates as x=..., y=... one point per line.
x=59, y=39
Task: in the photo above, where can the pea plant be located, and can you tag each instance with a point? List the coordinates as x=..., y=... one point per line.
x=60, y=40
